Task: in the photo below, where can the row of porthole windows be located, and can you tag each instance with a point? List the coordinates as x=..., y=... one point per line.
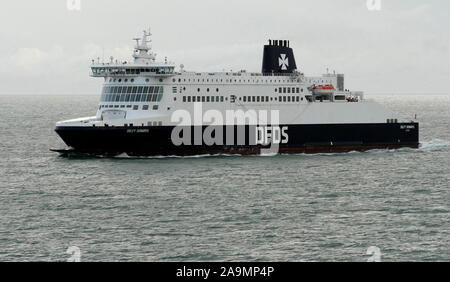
x=288, y=90
x=257, y=99
x=235, y=80
x=204, y=99
x=212, y=80
x=267, y=98
x=131, y=80
x=279, y=90
x=207, y=89
x=124, y=80
x=135, y=107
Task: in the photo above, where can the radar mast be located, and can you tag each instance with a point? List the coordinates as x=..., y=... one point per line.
x=143, y=51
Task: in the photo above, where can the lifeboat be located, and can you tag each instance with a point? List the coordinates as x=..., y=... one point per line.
x=323, y=89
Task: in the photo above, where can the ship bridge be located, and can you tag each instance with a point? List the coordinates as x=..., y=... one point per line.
x=111, y=70
x=144, y=63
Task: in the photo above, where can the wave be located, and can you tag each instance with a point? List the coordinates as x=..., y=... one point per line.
x=425, y=146
x=434, y=144
x=126, y=156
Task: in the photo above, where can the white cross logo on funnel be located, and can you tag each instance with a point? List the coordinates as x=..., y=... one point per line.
x=283, y=62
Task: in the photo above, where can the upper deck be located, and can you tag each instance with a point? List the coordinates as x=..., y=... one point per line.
x=128, y=70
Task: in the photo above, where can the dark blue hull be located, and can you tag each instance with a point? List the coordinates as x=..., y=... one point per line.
x=320, y=138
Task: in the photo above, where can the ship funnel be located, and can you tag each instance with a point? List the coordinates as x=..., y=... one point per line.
x=278, y=57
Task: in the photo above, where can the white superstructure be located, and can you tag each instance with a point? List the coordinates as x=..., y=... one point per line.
x=147, y=92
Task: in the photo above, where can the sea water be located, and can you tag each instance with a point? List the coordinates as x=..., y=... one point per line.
x=324, y=207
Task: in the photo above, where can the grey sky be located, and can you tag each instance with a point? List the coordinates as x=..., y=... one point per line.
x=404, y=48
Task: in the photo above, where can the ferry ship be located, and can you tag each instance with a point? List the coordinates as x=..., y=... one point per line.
x=153, y=108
